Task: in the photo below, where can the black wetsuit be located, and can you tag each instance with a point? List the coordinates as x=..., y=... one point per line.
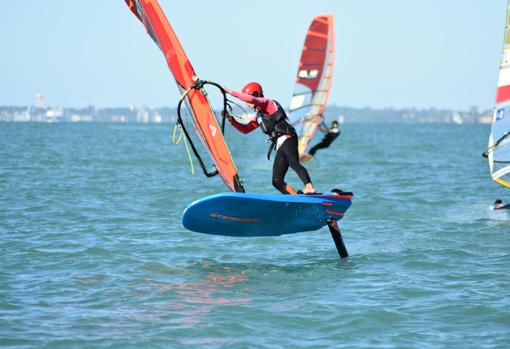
x=287, y=156
x=276, y=126
x=332, y=134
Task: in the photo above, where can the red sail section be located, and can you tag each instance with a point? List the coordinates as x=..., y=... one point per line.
x=313, y=57
x=153, y=18
x=313, y=80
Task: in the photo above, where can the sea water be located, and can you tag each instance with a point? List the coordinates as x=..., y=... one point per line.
x=93, y=253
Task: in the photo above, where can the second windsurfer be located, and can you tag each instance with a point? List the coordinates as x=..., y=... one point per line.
x=498, y=205
x=273, y=121
x=331, y=134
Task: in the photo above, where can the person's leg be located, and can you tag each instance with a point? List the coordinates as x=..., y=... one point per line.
x=280, y=167
x=321, y=145
x=290, y=148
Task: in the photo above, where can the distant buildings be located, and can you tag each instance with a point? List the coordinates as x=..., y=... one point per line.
x=408, y=115
x=144, y=114
x=39, y=112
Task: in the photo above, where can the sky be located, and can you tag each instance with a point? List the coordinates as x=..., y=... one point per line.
x=389, y=54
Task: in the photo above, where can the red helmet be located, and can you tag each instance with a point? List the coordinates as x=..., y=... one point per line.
x=253, y=89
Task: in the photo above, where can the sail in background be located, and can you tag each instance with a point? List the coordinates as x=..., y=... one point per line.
x=313, y=79
x=153, y=18
x=499, y=141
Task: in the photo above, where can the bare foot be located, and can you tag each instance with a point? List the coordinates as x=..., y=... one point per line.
x=305, y=157
x=309, y=189
x=290, y=190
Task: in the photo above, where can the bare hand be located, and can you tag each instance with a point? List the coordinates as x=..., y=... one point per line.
x=226, y=115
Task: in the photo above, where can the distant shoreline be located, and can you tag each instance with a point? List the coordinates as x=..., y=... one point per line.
x=143, y=114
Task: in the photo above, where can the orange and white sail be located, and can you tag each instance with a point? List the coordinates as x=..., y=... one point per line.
x=150, y=13
x=313, y=80
x=498, y=152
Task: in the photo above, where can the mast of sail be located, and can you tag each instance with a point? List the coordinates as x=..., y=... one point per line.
x=313, y=80
x=153, y=18
x=498, y=152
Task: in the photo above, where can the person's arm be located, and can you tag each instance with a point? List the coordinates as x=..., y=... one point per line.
x=262, y=103
x=323, y=128
x=243, y=128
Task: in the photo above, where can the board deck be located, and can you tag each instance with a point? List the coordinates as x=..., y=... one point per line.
x=249, y=215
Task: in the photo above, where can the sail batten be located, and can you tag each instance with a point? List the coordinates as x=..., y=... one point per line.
x=313, y=80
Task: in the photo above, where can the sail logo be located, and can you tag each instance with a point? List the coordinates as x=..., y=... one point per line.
x=500, y=114
x=213, y=130
x=308, y=74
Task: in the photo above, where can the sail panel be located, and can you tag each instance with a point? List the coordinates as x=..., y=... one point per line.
x=313, y=79
x=159, y=29
x=498, y=152
x=499, y=146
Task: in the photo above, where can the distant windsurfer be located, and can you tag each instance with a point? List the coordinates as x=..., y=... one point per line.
x=498, y=205
x=331, y=134
x=273, y=121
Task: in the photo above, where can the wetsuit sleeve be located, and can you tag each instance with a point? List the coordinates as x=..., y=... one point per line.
x=266, y=105
x=258, y=101
x=245, y=128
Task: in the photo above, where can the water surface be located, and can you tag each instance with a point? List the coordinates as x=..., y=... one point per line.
x=93, y=253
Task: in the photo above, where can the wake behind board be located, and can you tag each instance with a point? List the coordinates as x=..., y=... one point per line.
x=250, y=215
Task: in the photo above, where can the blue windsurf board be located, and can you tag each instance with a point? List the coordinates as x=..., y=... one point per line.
x=249, y=215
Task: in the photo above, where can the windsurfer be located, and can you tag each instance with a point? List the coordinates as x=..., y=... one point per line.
x=273, y=121
x=331, y=134
x=498, y=205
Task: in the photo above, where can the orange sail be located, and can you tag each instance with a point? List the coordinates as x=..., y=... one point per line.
x=153, y=18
